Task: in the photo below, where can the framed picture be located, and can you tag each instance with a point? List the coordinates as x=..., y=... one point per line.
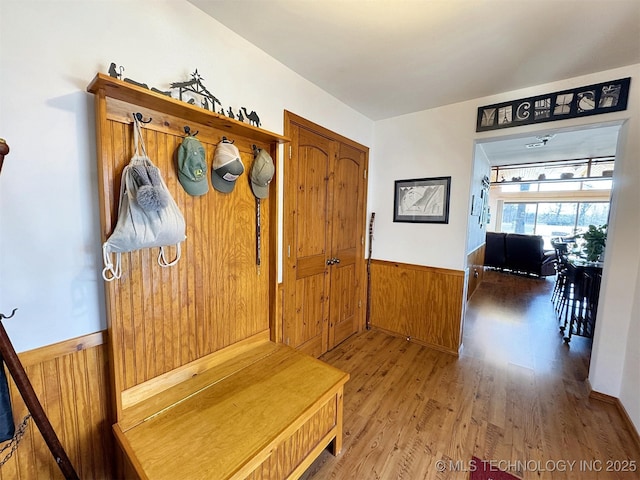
x=476, y=205
x=422, y=200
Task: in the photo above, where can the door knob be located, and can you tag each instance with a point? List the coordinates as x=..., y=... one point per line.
x=336, y=260
x=330, y=261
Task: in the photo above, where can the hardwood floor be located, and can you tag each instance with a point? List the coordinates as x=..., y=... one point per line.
x=516, y=396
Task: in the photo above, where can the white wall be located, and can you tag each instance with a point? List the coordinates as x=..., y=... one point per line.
x=630, y=378
x=431, y=143
x=50, y=258
x=476, y=232
x=440, y=142
x=615, y=365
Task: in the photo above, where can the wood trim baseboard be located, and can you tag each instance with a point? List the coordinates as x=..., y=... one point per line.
x=433, y=346
x=603, y=397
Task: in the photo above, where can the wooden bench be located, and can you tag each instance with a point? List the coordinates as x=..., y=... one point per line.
x=254, y=410
x=202, y=386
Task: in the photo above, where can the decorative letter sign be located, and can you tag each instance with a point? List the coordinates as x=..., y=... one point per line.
x=578, y=102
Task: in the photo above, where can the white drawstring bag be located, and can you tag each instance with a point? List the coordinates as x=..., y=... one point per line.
x=147, y=214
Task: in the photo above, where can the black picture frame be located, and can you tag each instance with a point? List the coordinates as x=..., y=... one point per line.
x=593, y=99
x=422, y=200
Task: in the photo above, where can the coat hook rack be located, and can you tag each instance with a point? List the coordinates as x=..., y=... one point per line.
x=187, y=130
x=139, y=117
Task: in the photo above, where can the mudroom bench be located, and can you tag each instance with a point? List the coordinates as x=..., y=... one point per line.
x=254, y=410
x=202, y=385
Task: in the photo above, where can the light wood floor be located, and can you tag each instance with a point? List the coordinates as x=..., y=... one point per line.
x=516, y=396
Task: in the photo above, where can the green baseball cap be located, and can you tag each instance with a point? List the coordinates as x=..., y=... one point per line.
x=192, y=167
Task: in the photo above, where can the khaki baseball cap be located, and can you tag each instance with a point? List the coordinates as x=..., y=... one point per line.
x=262, y=172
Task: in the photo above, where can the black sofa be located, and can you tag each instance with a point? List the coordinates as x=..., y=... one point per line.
x=519, y=253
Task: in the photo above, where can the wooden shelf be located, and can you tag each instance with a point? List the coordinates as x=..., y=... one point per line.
x=136, y=95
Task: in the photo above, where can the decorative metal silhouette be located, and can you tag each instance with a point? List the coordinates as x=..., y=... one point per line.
x=163, y=92
x=138, y=84
x=192, y=92
x=252, y=117
x=195, y=86
x=116, y=72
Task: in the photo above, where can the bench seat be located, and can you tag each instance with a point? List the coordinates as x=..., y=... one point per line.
x=265, y=413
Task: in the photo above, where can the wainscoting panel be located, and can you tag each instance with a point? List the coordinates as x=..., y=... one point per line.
x=475, y=266
x=71, y=381
x=423, y=303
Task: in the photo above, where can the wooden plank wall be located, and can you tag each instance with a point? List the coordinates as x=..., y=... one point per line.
x=423, y=303
x=71, y=382
x=475, y=267
x=163, y=318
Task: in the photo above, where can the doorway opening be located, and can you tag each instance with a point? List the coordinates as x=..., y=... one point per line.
x=551, y=183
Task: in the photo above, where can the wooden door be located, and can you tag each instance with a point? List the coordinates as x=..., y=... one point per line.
x=324, y=217
x=306, y=318
x=347, y=243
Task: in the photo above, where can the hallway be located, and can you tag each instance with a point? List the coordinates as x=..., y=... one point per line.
x=510, y=321
x=516, y=395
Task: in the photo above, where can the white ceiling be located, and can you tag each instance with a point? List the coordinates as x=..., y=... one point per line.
x=386, y=58
x=568, y=144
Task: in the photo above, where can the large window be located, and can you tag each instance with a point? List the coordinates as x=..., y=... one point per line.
x=552, y=199
x=585, y=174
x=552, y=219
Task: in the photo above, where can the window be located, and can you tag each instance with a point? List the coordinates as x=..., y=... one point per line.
x=556, y=220
x=584, y=174
x=592, y=213
x=552, y=219
x=552, y=199
x=519, y=218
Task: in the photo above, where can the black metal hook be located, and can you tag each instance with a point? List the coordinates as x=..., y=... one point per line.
x=226, y=140
x=3, y=316
x=139, y=117
x=187, y=130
